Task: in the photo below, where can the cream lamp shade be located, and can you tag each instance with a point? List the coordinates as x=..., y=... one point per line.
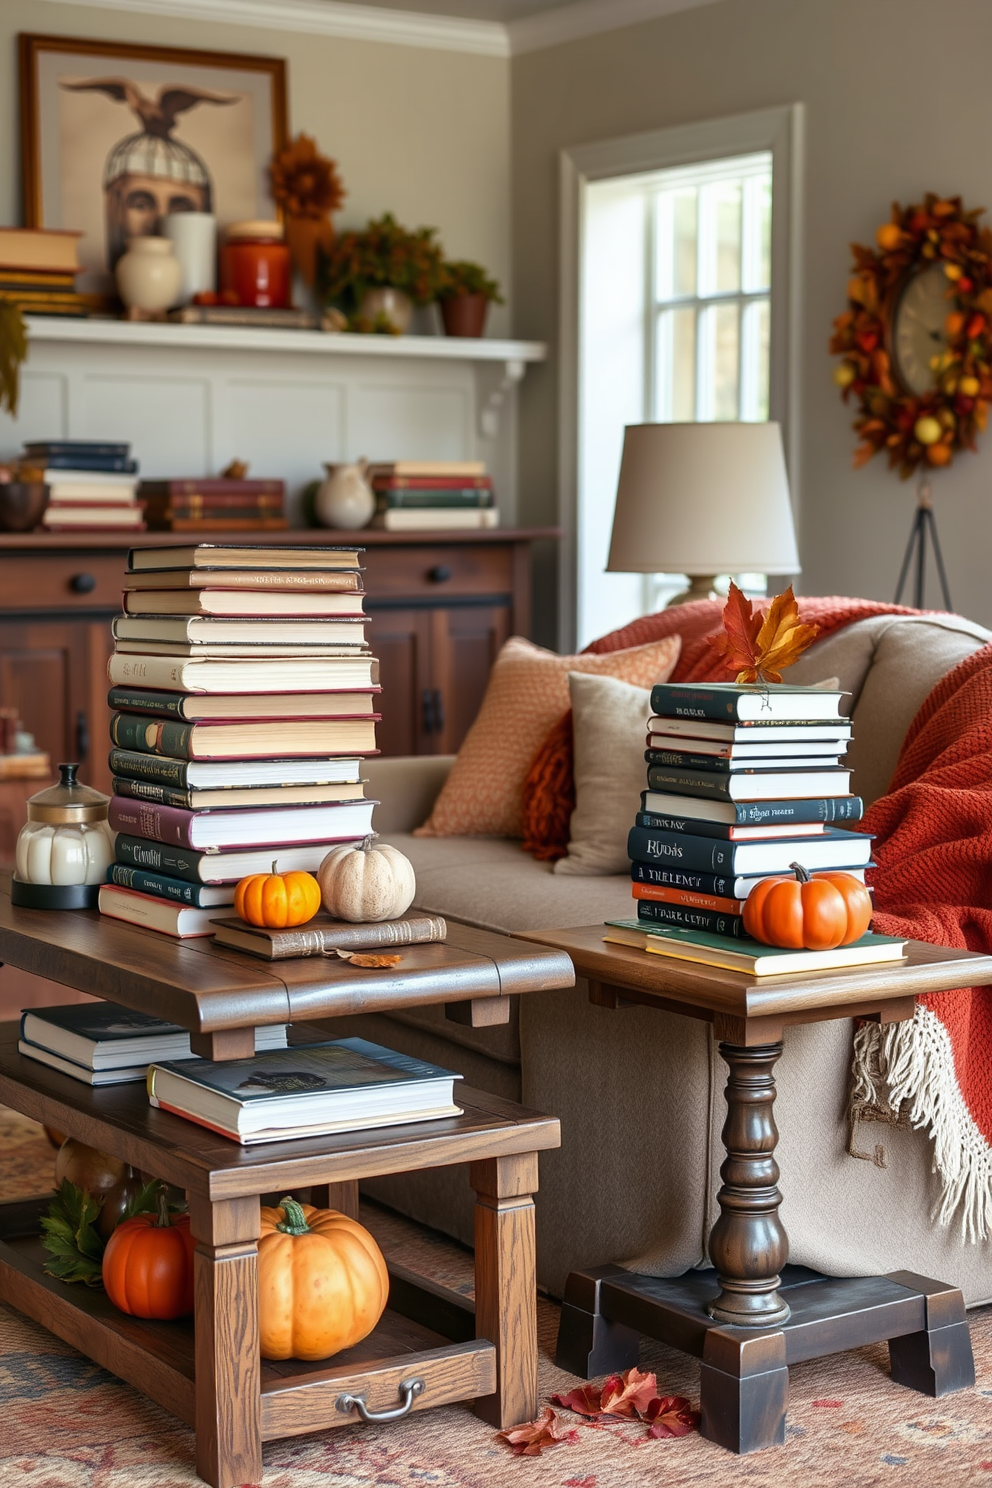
x=703, y=499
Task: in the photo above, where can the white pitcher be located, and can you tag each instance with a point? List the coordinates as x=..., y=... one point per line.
x=344, y=498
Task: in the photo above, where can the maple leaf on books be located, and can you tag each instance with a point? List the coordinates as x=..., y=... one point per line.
x=759, y=650
x=548, y=1430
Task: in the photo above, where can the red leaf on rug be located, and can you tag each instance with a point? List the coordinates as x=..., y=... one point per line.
x=584, y=1401
x=530, y=1440
x=628, y=1394
x=671, y=1415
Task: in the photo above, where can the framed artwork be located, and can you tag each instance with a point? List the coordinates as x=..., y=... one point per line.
x=114, y=135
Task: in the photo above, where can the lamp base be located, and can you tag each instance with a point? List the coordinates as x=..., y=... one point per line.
x=701, y=586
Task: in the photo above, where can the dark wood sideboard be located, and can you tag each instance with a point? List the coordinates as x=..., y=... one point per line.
x=441, y=605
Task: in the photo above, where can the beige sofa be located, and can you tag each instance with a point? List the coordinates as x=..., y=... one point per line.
x=639, y=1092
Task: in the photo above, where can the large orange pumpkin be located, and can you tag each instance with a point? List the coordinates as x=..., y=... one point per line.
x=148, y=1264
x=277, y=900
x=322, y=1282
x=813, y=914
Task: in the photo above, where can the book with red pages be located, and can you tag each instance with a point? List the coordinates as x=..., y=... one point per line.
x=212, y=486
x=432, y=483
x=215, y=830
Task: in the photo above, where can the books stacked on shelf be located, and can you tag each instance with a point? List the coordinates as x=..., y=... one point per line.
x=244, y=699
x=742, y=782
x=421, y=495
x=221, y=505
x=346, y=1085
x=102, y=1043
x=38, y=268
x=92, y=485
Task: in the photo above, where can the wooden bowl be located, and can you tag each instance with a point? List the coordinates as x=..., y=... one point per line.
x=22, y=504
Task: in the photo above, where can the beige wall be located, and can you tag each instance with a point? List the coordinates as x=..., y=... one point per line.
x=895, y=94
x=422, y=133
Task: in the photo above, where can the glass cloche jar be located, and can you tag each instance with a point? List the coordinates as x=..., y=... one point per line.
x=65, y=847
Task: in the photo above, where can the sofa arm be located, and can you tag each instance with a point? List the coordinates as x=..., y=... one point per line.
x=405, y=787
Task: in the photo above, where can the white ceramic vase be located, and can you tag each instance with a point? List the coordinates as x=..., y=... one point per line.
x=344, y=498
x=193, y=236
x=393, y=306
x=149, y=276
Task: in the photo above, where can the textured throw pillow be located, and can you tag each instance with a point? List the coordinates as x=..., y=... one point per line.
x=527, y=694
x=609, y=725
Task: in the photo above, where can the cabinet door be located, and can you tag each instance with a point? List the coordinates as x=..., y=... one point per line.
x=54, y=672
x=401, y=638
x=465, y=642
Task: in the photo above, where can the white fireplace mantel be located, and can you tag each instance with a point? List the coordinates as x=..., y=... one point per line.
x=191, y=398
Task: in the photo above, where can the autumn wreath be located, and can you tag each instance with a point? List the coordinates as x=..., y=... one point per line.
x=919, y=429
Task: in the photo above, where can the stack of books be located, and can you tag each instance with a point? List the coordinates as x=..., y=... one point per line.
x=421, y=495
x=102, y=1043
x=742, y=782
x=38, y=268
x=92, y=485
x=222, y=505
x=244, y=702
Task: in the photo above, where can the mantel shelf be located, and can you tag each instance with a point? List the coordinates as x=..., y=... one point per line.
x=246, y=338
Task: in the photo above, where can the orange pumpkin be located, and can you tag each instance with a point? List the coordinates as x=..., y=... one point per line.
x=322, y=1282
x=276, y=900
x=148, y=1264
x=813, y=914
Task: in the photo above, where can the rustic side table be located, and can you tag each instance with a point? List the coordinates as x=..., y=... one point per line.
x=758, y=1315
x=431, y=1347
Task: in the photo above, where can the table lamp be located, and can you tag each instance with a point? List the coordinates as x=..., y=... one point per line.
x=703, y=500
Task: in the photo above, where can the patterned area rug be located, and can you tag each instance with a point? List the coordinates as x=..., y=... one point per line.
x=68, y=1424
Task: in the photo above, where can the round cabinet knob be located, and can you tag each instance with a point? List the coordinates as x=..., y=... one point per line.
x=439, y=574
x=82, y=583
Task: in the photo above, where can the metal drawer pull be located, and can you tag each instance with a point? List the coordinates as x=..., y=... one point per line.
x=439, y=574
x=409, y=1390
x=82, y=583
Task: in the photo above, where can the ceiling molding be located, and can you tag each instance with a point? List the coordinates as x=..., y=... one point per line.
x=333, y=18
x=588, y=18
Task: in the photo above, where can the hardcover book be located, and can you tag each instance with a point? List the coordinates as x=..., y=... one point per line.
x=160, y=885
x=263, y=631
x=182, y=921
x=749, y=784
x=322, y=934
x=224, y=741
x=751, y=958
x=733, y=887
x=840, y=808
x=162, y=769
x=217, y=867
x=242, y=675
x=268, y=826
x=724, y=702
x=346, y=1085
x=233, y=555
x=314, y=581
x=243, y=602
x=194, y=708
x=107, y=1036
x=833, y=849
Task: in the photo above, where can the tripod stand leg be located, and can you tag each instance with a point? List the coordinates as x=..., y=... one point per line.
x=915, y=536
x=944, y=588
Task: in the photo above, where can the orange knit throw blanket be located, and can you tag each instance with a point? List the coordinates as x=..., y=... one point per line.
x=933, y=882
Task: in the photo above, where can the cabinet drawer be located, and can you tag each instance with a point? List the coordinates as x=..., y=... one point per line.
x=61, y=581
x=437, y=571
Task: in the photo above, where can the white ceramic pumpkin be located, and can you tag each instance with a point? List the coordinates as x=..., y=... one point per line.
x=361, y=882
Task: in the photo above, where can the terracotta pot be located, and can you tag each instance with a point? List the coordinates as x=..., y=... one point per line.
x=149, y=276
x=464, y=315
x=304, y=235
x=393, y=305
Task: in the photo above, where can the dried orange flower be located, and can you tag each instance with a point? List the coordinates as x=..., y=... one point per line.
x=304, y=182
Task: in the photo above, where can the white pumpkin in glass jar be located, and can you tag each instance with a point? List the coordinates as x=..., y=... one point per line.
x=67, y=839
x=362, y=883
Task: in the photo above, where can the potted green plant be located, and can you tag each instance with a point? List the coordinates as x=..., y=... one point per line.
x=465, y=295
x=376, y=276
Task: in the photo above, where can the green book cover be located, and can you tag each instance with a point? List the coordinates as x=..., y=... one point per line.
x=705, y=940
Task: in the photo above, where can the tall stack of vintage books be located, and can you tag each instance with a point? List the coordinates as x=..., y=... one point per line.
x=91, y=484
x=421, y=495
x=38, y=268
x=743, y=782
x=221, y=504
x=244, y=699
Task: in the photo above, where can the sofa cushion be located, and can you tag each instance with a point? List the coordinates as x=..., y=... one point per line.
x=609, y=725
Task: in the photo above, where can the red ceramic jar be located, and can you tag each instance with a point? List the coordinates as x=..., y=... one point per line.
x=254, y=265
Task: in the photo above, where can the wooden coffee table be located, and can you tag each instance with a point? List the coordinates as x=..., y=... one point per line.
x=758, y=1315
x=431, y=1346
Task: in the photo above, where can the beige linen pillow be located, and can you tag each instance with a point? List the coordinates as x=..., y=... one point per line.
x=527, y=695
x=609, y=725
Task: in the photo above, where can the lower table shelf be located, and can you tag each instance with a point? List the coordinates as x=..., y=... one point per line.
x=159, y=1358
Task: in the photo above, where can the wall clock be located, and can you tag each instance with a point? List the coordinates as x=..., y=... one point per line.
x=916, y=337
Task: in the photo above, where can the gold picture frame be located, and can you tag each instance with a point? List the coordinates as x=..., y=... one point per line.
x=203, y=128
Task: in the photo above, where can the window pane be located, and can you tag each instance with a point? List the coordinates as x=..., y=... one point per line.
x=720, y=238
x=676, y=367
x=757, y=245
x=719, y=355
x=675, y=232
x=755, y=361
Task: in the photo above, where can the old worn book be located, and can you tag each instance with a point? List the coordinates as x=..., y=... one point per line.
x=749, y=784
x=183, y=921
x=234, y=631
x=798, y=810
x=243, y=674
x=194, y=709
x=271, y=739
x=213, y=830
x=217, y=867
x=106, y=1036
x=39, y=248
x=316, y=581
x=752, y=959
x=242, y=602
x=232, y=555
x=323, y=934
x=726, y=702
x=833, y=848
x=428, y=519
x=224, y=796
x=164, y=769
x=305, y=1091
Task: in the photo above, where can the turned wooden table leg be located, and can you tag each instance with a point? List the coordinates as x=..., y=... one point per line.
x=228, y=1364
x=748, y=1244
x=506, y=1283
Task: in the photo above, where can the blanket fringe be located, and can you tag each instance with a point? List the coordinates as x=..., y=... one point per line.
x=916, y=1063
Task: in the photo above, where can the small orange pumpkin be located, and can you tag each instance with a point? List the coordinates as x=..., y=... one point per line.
x=322, y=1282
x=148, y=1264
x=805, y=913
x=277, y=900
